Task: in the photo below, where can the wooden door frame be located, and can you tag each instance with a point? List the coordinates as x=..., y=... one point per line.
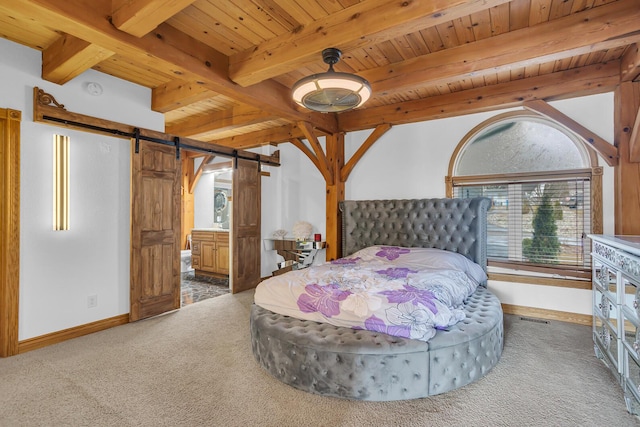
x=10, y=223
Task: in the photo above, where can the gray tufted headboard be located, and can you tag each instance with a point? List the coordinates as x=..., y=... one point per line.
x=458, y=225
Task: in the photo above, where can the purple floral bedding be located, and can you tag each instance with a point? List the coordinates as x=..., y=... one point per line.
x=406, y=292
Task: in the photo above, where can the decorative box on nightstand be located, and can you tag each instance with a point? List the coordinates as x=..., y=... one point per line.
x=616, y=310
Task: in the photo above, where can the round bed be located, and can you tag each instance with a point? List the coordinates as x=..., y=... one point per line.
x=364, y=365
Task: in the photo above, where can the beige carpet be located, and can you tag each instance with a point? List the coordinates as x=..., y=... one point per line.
x=194, y=367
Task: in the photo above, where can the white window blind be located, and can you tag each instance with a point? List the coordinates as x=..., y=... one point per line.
x=541, y=221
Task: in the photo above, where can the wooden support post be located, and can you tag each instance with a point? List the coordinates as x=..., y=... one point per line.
x=335, y=194
x=187, y=200
x=627, y=173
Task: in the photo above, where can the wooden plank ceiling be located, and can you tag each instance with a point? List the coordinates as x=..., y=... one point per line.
x=221, y=71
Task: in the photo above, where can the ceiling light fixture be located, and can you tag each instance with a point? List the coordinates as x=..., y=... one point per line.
x=331, y=91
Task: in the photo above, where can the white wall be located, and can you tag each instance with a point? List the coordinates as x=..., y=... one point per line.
x=294, y=192
x=59, y=270
x=411, y=161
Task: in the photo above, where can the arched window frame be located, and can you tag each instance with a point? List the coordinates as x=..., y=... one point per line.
x=593, y=173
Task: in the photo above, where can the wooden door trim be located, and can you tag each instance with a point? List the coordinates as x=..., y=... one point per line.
x=10, y=242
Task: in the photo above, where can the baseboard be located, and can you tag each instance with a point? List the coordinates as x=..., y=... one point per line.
x=75, y=332
x=100, y=325
x=541, y=313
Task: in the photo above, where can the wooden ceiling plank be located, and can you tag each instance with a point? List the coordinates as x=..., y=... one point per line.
x=630, y=64
x=560, y=8
x=499, y=19
x=519, y=14
x=432, y=39
x=209, y=31
x=608, y=151
x=404, y=47
x=176, y=94
x=417, y=43
x=589, y=80
x=448, y=35
x=539, y=11
x=69, y=57
x=600, y=28
x=287, y=17
x=227, y=14
x=481, y=25
x=357, y=26
x=139, y=17
x=465, y=29
x=89, y=24
x=236, y=117
x=580, y=5
x=257, y=18
x=312, y=7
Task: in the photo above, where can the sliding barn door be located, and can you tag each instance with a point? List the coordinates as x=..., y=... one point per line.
x=246, y=241
x=155, y=230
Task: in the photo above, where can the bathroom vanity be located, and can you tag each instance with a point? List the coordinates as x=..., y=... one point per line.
x=210, y=251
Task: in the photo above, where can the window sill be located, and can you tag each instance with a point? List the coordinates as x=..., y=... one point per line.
x=564, y=282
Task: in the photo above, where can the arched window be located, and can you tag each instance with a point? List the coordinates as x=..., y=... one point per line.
x=546, y=189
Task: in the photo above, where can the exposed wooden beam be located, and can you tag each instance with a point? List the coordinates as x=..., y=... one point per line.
x=187, y=59
x=630, y=64
x=262, y=137
x=232, y=118
x=565, y=84
x=69, y=57
x=177, y=94
x=325, y=167
x=354, y=27
x=608, y=151
x=634, y=140
x=371, y=139
x=601, y=28
x=139, y=17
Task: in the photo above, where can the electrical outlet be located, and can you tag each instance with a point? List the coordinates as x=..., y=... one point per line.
x=92, y=301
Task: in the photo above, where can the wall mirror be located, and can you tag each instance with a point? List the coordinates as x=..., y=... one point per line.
x=221, y=207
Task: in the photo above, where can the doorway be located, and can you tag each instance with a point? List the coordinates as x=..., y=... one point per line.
x=206, y=218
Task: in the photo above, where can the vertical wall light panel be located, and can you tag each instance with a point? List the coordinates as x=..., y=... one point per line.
x=60, y=182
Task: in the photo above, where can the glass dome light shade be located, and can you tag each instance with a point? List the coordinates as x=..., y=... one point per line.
x=331, y=91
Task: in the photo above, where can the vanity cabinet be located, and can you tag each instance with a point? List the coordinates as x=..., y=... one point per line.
x=616, y=310
x=210, y=252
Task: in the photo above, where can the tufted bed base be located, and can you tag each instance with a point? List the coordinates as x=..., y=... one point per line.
x=359, y=364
